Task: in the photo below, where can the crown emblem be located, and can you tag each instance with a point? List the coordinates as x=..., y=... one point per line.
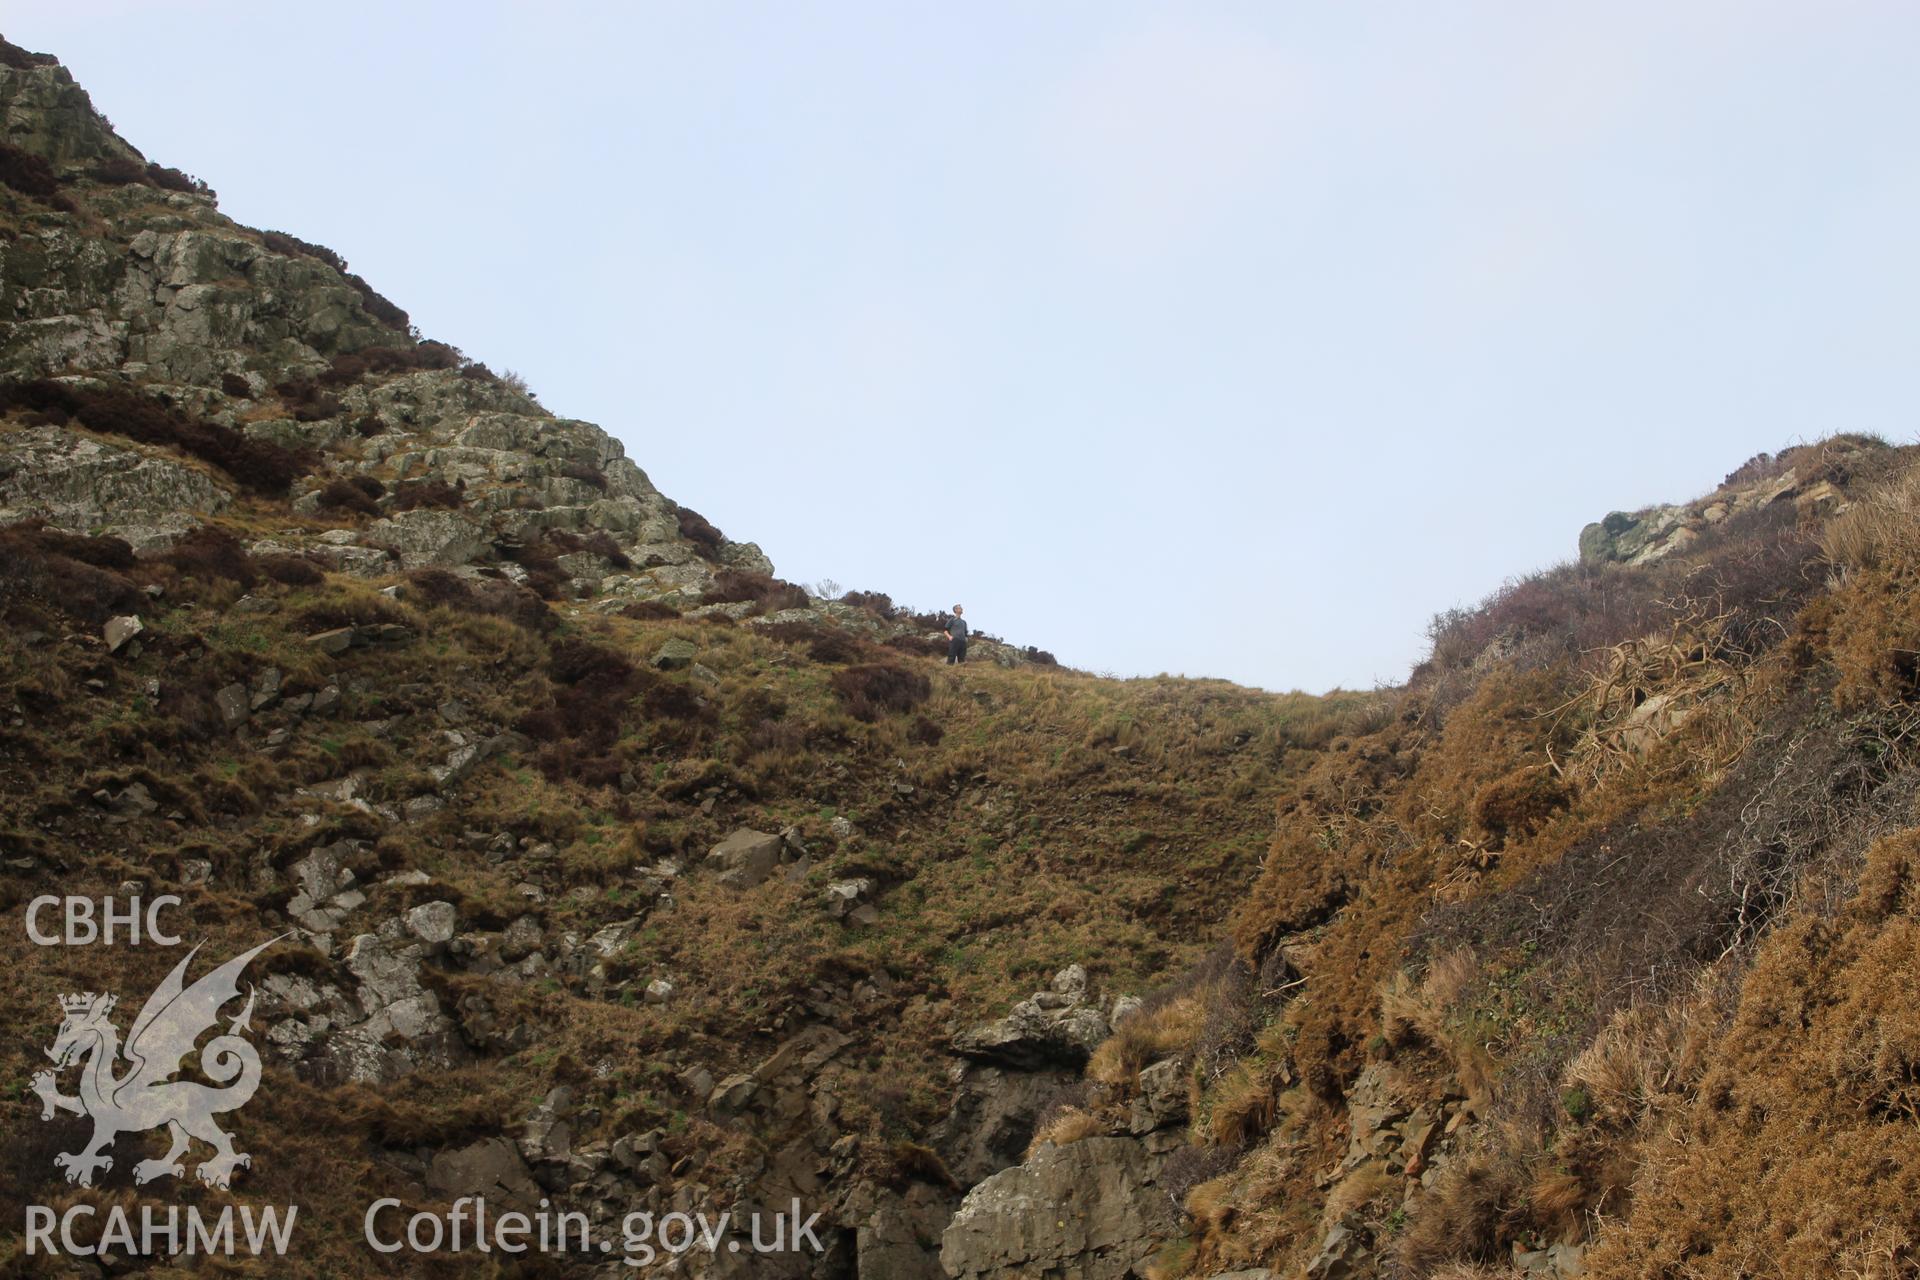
x=85, y=1002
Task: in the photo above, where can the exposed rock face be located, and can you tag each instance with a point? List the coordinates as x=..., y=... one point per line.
x=848, y=900
x=993, y=1116
x=1086, y=1211
x=1162, y=1100
x=491, y=1168
x=1641, y=537
x=900, y=1239
x=421, y=538
x=164, y=294
x=1091, y=1208
x=746, y=858
x=675, y=654
x=404, y=1027
x=132, y=801
x=327, y=894
x=45, y=112
x=1055, y=1027
x=1398, y=1127
x=90, y=486
x=119, y=631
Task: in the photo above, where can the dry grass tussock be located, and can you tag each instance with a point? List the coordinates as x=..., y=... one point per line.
x=1880, y=529
x=1647, y=1056
x=1146, y=1037
x=1797, y=1155
x=1071, y=1124
x=1426, y=1012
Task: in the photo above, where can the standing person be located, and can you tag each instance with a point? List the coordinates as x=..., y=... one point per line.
x=957, y=637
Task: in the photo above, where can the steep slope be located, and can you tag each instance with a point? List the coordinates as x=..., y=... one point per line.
x=1596, y=955
x=615, y=871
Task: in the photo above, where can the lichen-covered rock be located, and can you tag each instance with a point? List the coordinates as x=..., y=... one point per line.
x=426, y=537
x=403, y=1027
x=45, y=112
x=675, y=654
x=86, y=485
x=327, y=892
x=1641, y=537
x=1086, y=1211
x=119, y=631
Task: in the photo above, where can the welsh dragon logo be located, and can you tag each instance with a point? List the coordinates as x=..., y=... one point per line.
x=143, y=1096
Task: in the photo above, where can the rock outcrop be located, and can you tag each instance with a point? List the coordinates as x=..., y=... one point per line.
x=1055, y=1027
x=167, y=296
x=1090, y=1210
x=1641, y=537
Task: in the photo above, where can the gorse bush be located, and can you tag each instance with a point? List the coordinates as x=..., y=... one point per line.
x=351, y=366
x=436, y=494
x=872, y=690
x=918, y=646
x=124, y=171
x=834, y=645
x=354, y=365
x=82, y=577
x=540, y=558
x=878, y=603
x=696, y=529
x=168, y=179
x=601, y=543
x=12, y=55
x=597, y=542
x=592, y=687
x=260, y=465
x=355, y=493
x=767, y=594
x=119, y=171
x=376, y=304
x=586, y=473
x=290, y=571
x=31, y=175
x=294, y=247
x=485, y=595
x=211, y=553
x=1754, y=565
x=380, y=307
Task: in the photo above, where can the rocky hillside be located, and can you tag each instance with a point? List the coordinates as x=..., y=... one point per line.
x=617, y=872
x=612, y=873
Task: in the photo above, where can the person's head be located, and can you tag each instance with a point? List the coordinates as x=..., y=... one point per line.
x=958, y=611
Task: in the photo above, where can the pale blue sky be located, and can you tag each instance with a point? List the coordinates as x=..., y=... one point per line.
x=1222, y=339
